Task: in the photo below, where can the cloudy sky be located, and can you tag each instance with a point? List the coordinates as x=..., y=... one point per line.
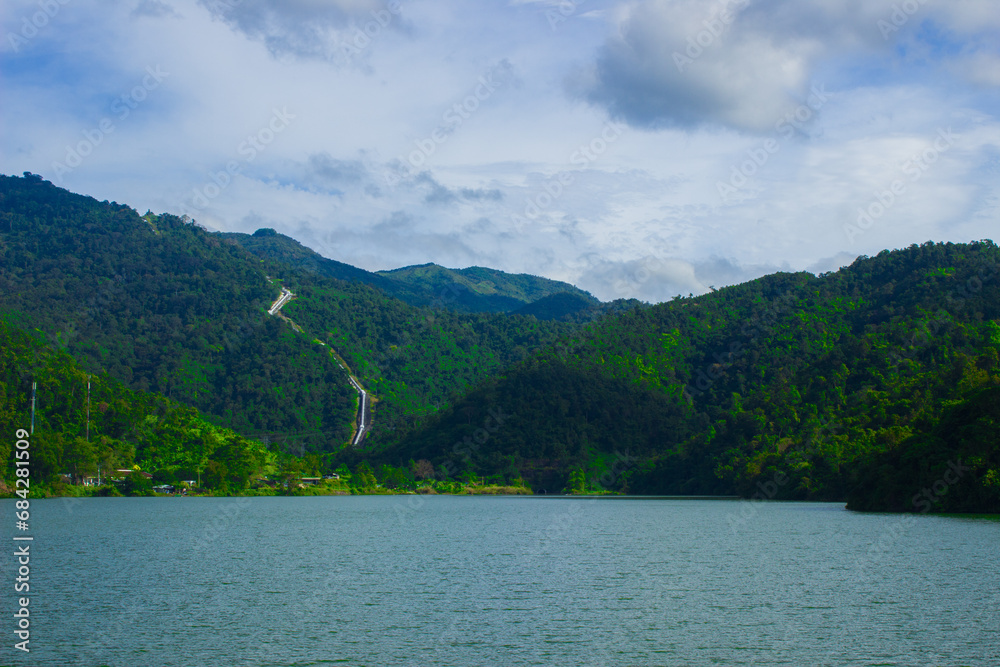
x=635, y=148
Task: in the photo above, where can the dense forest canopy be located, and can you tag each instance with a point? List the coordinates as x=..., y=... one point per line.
x=165, y=306
x=811, y=380
x=126, y=429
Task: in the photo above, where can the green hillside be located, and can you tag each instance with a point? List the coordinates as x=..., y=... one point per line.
x=415, y=361
x=794, y=377
x=478, y=288
x=126, y=428
x=268, y=244
x=472, y=290
x=164, y=306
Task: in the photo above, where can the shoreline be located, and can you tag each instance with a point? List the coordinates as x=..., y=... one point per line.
x=512, y=492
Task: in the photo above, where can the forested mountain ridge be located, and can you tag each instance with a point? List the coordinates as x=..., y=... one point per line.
x=489, y=289
x=810, y=380
x=165, y=306
x=470, y=290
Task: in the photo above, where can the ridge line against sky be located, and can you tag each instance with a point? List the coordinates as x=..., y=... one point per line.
x=635, y=148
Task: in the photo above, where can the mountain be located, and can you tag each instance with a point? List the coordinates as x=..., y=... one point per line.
x=794, y=385
x=471, y=290
x=478, y=288
x=932, y=471
x=165, y=306
x=876, y=383
x=270, y=245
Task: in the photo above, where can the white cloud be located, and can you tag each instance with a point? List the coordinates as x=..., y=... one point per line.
x=645, y=194
x=333, y=30
x=744, y=64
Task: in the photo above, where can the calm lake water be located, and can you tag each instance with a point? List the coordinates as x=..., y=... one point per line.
x=501, y=581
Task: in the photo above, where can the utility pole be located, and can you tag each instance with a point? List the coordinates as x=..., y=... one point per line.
x=34, y=385
x=88, y=408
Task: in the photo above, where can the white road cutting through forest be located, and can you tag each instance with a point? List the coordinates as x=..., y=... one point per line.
x=362, y=417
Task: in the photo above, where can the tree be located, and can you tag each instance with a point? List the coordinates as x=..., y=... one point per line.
x=363, y=477
x=577, y=482
x=216, y=476
x=392, y=478
x=423, y=469
x=80, y=458
x=290, y=472
x=137, y=484
x=240, y=459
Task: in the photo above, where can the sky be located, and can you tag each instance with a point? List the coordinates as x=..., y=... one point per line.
x=637, y=149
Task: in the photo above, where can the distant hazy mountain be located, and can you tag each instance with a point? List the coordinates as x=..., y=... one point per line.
x=474, y=289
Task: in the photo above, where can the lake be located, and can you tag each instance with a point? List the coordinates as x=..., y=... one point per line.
x=408, y=580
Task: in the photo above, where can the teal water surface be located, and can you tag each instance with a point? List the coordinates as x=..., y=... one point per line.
x=397, y=580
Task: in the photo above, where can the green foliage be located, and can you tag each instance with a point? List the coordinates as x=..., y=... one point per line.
x=472, y=290
x=577, y=482
x=954, y=468
x=363, y=478
x=805, y=376
x=839, y=383
x=414, y=361
x=162, y=305
x=136, y=484
x=126, y=427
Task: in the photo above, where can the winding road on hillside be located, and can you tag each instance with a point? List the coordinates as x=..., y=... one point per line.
x=362, y=418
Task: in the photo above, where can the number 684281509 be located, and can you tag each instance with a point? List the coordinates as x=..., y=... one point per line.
x=22, y=458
